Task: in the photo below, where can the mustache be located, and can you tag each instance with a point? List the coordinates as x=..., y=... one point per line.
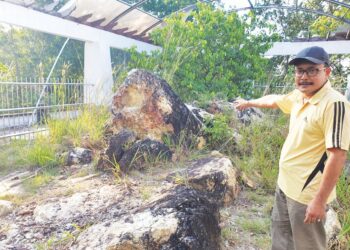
x=304, y=83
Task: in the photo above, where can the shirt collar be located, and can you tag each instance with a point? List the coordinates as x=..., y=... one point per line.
x=320, y=94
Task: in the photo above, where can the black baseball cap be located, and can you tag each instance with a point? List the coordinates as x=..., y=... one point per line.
x=313, y=54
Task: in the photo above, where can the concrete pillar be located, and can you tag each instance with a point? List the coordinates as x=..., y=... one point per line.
x=98, y=71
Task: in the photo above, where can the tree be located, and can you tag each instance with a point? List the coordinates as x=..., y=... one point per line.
x=211, y=54
x=162, y=8
x=286, y=25
x=32, y=54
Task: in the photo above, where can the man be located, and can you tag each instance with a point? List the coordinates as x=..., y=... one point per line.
x=313, y=154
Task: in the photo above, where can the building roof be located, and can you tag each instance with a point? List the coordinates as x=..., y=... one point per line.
x=111, y=15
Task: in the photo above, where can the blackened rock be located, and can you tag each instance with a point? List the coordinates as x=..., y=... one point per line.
x=214, y=176
x=198, y=226
x=143, y=151
x=182, y=219
x=118, y=144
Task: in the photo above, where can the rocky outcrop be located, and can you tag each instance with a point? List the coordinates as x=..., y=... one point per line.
x=246, y=116
x=179, y=215
x=182, y=219
x=146, y=105
x=144, y=111
x=142, y=152
x=127, y=153
x=214, y=176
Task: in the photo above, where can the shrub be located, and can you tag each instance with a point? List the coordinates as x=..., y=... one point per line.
x=210, y=52
x=42, y=153
x=259, y=149
x=218, y=132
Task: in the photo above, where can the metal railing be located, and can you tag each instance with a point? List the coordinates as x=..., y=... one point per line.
x=26, y=104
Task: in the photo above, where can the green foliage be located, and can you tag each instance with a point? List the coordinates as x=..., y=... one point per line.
x=257, y=226
x=162, y=8
x=61, y=242
x=218, y=131
x=41, y=179
x=87, y=130
x=13, y=156
x=325, y=24
x=211, y=53
x=259, y=149
x=31, y=54
x=42, y=153
x=88, y=126
x=343, y=198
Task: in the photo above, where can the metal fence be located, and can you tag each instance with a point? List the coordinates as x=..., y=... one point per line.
x=25, y=105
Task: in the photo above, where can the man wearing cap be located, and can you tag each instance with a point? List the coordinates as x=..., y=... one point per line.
x=313, y=154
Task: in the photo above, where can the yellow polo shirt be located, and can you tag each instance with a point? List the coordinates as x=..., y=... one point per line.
x=320, y=123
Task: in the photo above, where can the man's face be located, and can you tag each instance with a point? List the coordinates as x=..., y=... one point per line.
x=309, y=77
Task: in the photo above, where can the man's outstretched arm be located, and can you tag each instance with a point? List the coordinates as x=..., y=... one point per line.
x=268, y=101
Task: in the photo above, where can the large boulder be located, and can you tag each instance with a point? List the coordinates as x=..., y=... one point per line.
x=146, y=105
x=181, y=219
x=214, y=176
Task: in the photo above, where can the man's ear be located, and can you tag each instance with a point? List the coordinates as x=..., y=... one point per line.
x=328, y=71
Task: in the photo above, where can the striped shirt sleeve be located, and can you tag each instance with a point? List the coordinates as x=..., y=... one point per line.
x=337, y=125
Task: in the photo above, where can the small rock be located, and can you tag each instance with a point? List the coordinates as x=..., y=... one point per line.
x=25, y=212
x=39, y=236
x=248, y=181
x=79, y=156
x=28, y=236
x=332, y=226
x=6, y=207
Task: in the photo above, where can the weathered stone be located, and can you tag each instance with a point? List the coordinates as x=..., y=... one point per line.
x=143, y=151
x=248, y=115
x=248, y=181
x=182, y=219
x=332, y=227
x=214, y=176
x=11, y=183
x=245, y=116
x=6, y=207
x=69, y=208
x=79, y=156
x=199, y=113
x=119, y=143
x=146, y=105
